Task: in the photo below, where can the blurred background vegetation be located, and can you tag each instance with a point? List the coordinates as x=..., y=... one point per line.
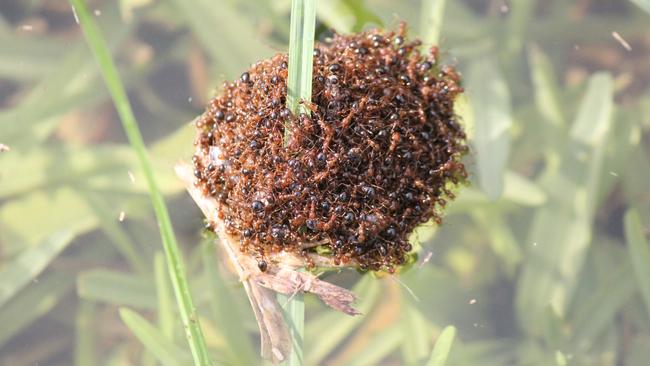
x=542, y=260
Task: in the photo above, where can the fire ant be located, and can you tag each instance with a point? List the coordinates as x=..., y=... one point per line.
x=370, y=156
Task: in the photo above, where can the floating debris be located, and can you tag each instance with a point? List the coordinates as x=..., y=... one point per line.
x=74, y=13
x=622, y=41
x=426, y=259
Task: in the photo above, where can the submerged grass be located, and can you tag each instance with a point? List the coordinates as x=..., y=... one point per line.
x=440, y=352
x=176, y=267
x=556, y=233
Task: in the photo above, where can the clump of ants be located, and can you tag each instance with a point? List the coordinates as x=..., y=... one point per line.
x=377, y=156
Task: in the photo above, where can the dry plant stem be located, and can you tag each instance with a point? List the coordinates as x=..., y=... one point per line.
x=280, y=276
x=275, y=340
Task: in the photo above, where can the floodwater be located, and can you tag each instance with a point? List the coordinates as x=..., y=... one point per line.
x=544, y=259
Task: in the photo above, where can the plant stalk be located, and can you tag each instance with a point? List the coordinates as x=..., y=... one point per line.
x=301, y=58
x=299, y=87
x=175, y=264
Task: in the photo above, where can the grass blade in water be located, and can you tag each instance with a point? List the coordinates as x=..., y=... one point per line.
x=643, y=4
x=154, y=341
x=225, y=310
x=164, y=297
x=301, y=56
x=490, y=100
x=547, y=95
x=442, y=348
x=174, y=260
x=30, y=263
x=84, y=351
x=117, y=288
x=550, y=275
x=294, y=314
x=639, y=254
x=33, y=302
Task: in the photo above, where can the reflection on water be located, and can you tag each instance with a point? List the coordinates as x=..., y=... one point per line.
x=542, y=260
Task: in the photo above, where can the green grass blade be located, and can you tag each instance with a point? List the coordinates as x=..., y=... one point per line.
x=30, y=263
x=555, y=257
x=490, y=100
x=378, y=347
x=502, y=239
x=294, y=314
x=518, y=189
x=155, y=342
x=547, y=95
x=593, y=119
x=301, y=57
x=493, y=352
x=33, y=302
x=416, y=330
x=433, y=12
x=518, y=23
x=71, y=86
x=103, y=167
x=84, y=348
x=442, y=348
x=27, y=59
x=323, y=338
x=225, y=310
x=174, y=260
x=116, y=232
x=639, y=251
x=116, y=288
x=225, y=33
x=602, y=305
x=643, y=4
x=163, y=293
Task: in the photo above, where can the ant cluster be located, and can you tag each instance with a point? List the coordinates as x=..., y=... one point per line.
x=376, y=157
